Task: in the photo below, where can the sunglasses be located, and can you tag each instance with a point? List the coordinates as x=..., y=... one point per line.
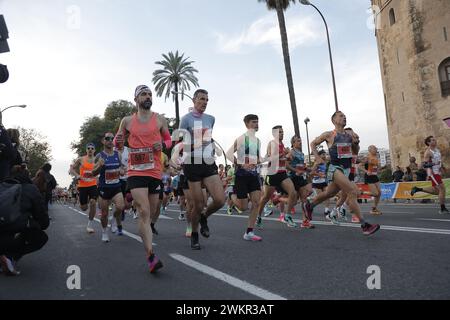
x=109, y=138
x=90, y=148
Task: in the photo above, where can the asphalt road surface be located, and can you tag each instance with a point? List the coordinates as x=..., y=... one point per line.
x=412, y=252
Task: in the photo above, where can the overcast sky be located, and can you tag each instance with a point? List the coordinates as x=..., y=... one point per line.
x=69, y=59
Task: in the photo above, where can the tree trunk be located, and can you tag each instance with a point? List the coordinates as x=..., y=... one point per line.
x=177, y=108
x=287, y=64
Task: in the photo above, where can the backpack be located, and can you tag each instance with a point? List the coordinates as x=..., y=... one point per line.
x=10, y=203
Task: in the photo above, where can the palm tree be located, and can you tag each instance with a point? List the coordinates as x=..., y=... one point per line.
x=177, y=75
x=280, y=6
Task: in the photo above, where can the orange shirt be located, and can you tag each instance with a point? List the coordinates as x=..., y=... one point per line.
x=86, y=178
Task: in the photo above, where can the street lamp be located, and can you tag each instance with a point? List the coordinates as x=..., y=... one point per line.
x=17, y=106
x=308, y=3
x=307, y=140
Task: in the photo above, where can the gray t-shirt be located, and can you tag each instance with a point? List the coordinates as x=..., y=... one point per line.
x=199, y=128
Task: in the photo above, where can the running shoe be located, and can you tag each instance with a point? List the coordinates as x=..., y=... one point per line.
x=267, y=212
x=375, y=212
x=355, y=219
x=181, y=217
x=237, y=210
x=413, y=191
x=188, y=231
x=369, y=229
x=229, y=211
x=195, y=245
x=251, y=236
x=204, y=229
x=89, y=228
x=308, y=210
x=342, y=213
x=8, y=266
x=114, y=226
x=119, y=231
x=259, y=223
x=289, y=221
x=105, y=237
x=442, y=211
x=281, y=217
x=334, y=217
x=123, y=215
x=306, y=224
x=135, y=215
x=154, y=263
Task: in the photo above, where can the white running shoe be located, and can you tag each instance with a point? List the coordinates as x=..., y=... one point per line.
x=114, y=226
x=251, y=236
x=89, y=228
x=342, y=213
x=105, y=236
x=334, y=217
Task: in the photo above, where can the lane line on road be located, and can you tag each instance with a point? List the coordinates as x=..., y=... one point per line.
x=443, y=220
x=126, y=233
x=351, y=225
x=235, y=282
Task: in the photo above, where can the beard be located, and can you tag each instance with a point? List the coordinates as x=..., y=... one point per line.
x=146, y=105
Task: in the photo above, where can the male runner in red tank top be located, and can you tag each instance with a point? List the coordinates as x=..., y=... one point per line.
x=147, y=132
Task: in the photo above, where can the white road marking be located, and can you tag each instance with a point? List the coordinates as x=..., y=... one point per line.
x=235, y=282
x=443, y=220
x=126, y=233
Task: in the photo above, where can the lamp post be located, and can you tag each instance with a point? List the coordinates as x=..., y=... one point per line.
x=308, y=3
x=307, y=140
x=16, y=106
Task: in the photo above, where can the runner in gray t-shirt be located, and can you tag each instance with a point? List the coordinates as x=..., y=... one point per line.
x=199, y=167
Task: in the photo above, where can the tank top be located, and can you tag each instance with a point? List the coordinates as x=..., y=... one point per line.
x=143, y=161
x=249, y=153
x=298, y=162
x=110, y=172
x=281, y=168
x=436, y=160
x=124, y=156
x=322, y=169
x=341, y=150
x=86, y=178
x=372, y=165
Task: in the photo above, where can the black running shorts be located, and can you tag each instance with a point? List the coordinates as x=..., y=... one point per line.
x=153, y=184
x=87, y=194
x=198, y=172
x=276, y=179
x=371, y=179
x=109, y=193
x=244, y=185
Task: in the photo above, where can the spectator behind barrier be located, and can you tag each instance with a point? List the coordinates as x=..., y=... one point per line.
x=7, y=152
x=24, y=235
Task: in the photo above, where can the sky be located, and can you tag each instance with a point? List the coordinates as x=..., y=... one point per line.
x=70, y=59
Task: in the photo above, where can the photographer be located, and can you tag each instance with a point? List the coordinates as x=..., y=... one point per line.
x=7, y=151
x=25, y=234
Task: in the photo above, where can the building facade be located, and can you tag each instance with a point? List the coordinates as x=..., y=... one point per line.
x=413, y=39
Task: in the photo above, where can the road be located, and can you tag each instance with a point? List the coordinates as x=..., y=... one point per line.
x=412, y=251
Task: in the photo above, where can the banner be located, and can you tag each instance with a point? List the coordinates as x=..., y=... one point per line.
x=402, y=190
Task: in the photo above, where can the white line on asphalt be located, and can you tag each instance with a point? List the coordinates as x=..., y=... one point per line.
x=443, y=220
x=128, y=234
x=351, y=225
x=235, y=282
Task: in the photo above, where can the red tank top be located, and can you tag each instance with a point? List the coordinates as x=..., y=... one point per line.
x=143, y=161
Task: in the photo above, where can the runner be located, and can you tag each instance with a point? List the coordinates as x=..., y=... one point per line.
x=433, y=163
x=277, y=176
x=340, y=145
x=319, y=180
x=230, y=191
x=108, y=164
x=370, y=166
x=247, y=147
x=124, y=152
x=200, y=166
x=297, y=173
x=146, y=131
x=87, y=183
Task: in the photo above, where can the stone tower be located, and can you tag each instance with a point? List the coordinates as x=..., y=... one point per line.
x=413, y=39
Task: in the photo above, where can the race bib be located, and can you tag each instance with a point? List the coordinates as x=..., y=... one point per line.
x=344, y=150
x=141, y=159
x=112, y=176
x=87, y=176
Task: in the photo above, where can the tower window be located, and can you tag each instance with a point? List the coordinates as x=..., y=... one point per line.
x=444, y=77
x=392, y=16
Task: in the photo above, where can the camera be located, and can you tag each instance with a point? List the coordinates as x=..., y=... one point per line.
x=4, y=35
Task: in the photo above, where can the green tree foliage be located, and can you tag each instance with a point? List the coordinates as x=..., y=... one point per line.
x=177, y=75
x=35, y=149
x=386, y=175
